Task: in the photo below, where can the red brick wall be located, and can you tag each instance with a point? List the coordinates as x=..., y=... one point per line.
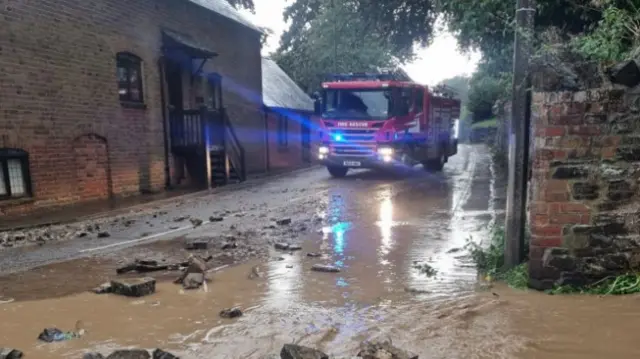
x=289, y=157
x=583, y=208
x=58, y=83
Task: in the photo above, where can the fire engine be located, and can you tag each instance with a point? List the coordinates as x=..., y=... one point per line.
x=383, y=121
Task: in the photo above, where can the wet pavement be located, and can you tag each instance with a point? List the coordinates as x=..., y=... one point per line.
x=377, y=229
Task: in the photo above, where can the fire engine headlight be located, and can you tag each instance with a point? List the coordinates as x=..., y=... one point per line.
x=385, y=151
x=323, y=150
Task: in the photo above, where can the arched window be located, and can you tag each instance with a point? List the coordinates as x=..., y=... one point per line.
x=129, y=78
x=14, y=174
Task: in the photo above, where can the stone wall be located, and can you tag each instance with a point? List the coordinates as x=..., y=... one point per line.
x=584, y=203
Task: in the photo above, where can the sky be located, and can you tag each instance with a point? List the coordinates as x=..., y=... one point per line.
x=440, y=61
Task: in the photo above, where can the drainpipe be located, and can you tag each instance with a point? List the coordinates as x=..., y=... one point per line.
x=165, y=127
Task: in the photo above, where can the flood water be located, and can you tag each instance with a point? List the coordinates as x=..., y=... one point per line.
x=376, y=238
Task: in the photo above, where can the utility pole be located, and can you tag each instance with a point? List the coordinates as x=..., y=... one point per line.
x=519, y=135
x=335, y=40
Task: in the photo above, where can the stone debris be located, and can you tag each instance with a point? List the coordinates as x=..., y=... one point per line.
x=231, y=313
x=314, y=255
x=161, y=354
x=295, y=247
x=197, y=244
x=130, y=354
x=283, y=221
x=181, y=219
x=230, y=245
x=193, y=280
x=51, y=335
x=102, y=288
x=283, y=246
x=145, y=266
x=9, y=353
x=196, y=222
x=136, y=287
x=426, y=269
x=326, y=268
x=104, y=234
x=216, y=219
x=293, y=351
x=381, y=347
x=92, y=356
x=416, y=290
x=255, y=273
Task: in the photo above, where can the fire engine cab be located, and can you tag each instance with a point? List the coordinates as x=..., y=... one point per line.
x=385, y=121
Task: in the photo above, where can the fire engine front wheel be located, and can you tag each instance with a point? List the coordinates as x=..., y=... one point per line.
x=435, y=165
x=337, y=172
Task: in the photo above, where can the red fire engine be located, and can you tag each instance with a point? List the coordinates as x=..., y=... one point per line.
x=385, y=121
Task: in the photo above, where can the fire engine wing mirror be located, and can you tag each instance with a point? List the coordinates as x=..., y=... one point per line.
x=317, y=103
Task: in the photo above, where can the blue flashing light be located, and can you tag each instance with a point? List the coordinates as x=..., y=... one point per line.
x=337, y=137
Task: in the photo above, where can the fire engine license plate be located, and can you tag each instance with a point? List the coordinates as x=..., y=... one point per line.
x=352, y=163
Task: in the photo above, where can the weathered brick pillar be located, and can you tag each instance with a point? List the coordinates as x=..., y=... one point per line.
x=586, y=163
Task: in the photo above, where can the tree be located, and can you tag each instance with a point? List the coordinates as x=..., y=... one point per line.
x=244, y=4
x=337, y=39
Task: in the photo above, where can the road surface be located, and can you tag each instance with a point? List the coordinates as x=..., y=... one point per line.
x=380, y=231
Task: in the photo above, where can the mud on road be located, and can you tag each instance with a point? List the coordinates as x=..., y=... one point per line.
x=394, y=242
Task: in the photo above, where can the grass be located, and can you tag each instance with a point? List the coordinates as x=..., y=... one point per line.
x=490, y=123
x=490, y=261
x=620, y=285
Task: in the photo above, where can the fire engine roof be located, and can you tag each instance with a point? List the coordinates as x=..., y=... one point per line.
x=279, y=90
x=225, y=9
x=367, y=84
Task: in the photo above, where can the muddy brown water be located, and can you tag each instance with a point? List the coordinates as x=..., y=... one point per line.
x=376, y=239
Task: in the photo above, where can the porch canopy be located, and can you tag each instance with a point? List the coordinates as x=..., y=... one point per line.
x=174, y=43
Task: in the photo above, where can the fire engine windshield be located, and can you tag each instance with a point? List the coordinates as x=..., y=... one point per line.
x=357, y=104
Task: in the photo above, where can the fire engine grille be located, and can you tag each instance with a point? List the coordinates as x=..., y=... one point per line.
x=360, y=142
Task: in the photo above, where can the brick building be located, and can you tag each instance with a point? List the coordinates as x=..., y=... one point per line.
x=93, y=96
x=288, y=119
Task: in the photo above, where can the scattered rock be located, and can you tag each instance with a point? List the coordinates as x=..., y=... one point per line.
x=196, y=222
x=135, y=287
x=382, y=348
x=231, y=313
x=197, y=244
x=325, y=268
x=416, y=291
x=294, y=247
x=51, y=335
x=283, y=221
x=102, y=288
x=81, y=234
x=255, y=273
x=193, y=280
x=8, y=353
x=174, y=227
x=314, y=255
x=216, y=219
x=289, y=265
x=130, y=354
x=90, y=356
x=454, y=250
x=282, y=246
x=104, y=234
x=230, y=245
x=293, y=351
x=426, y=269
x=129, y=222
x=161, y=354
x=180, y=219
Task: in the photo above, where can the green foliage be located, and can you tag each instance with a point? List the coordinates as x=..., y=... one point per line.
x=615, y=37
x=338, y=39
x=244, y=4
x=485, y=89
x=492, y=122
x=489, y=261
x=624, y=284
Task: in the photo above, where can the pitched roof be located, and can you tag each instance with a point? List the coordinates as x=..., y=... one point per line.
x=225, y=9
x=279, y=90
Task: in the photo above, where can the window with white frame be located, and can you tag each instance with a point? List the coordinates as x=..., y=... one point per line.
x=14, y=174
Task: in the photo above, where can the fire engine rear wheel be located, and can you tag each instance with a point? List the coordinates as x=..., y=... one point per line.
x=435, y=165
x=337, y=172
